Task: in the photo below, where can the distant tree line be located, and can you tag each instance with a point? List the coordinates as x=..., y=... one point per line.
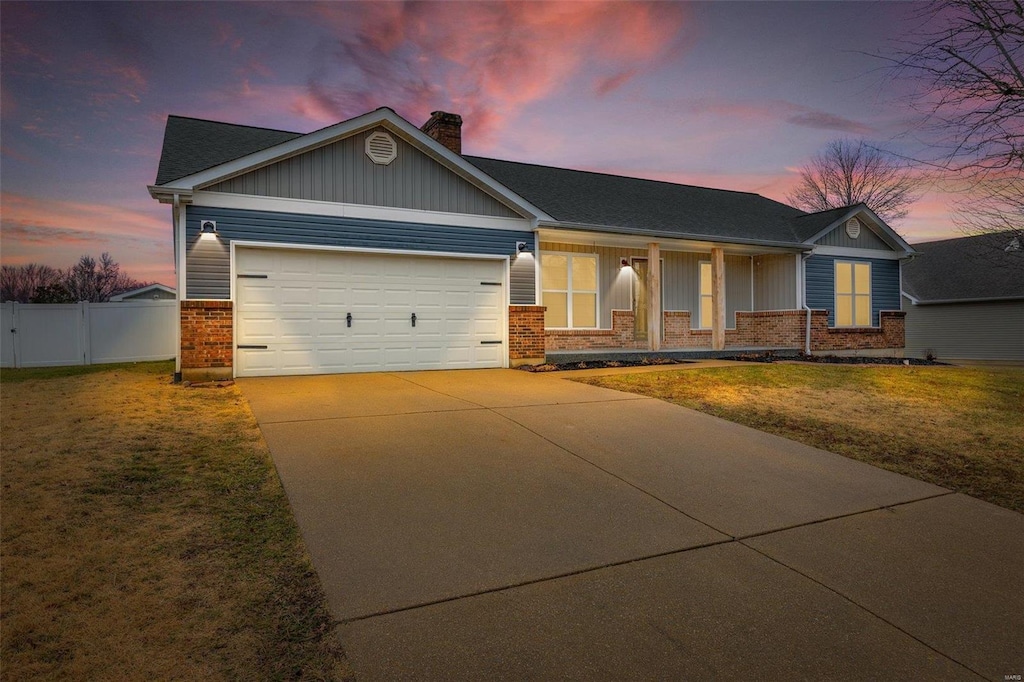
x=87, y=280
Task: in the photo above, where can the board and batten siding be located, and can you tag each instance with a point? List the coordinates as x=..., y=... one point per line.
x=680, y=280
x=341, y=172
x=775, y=281
x=991, y=330
x=867, y=239
x=209, y=260
x=819, y=278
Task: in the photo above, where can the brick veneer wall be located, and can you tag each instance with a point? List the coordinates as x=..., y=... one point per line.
x=890, y=334
x=766, y=329
x=619, y=336
x=207, y=340
x=525, y=334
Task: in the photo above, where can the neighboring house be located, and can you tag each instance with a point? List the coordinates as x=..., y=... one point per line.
x=153, y=292
x=374, y=245
x=964, y=299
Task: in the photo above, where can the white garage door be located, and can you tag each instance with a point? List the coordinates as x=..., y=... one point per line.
x=324, y=312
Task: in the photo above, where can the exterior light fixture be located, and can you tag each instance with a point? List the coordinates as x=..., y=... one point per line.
x=207, y=229
x=625, y=263
x=520, y=247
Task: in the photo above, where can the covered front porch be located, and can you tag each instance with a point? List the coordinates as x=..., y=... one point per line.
x=626, y=293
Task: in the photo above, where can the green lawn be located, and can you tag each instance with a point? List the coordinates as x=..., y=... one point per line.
x=145, y=535
x=961, y=428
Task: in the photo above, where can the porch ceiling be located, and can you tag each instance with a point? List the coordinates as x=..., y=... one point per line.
x=602, y=236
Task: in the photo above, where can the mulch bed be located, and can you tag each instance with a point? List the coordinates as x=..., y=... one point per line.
x=743, y=357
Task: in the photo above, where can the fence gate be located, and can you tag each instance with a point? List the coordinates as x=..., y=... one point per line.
x=44, y=335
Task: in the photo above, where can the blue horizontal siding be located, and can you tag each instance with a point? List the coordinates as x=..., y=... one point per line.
x=819, y=282
x=208, y=266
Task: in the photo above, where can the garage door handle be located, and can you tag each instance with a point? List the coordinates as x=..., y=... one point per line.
x=243, y=346
x=414, y=319
x=348, y=320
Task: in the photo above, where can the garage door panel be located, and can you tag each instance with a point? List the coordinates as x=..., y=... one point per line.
x=299, y=311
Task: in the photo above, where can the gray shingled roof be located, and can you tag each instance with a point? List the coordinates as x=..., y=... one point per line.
x=806, y=226
x=966, y=268
x=192, y=145
x=612, y=200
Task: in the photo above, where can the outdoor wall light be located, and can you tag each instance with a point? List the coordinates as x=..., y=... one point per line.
x=208, y=229
x=520, y=247
x=625, y=263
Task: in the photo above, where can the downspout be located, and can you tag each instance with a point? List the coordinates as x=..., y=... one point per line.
x=178, y=264
x=803, y=284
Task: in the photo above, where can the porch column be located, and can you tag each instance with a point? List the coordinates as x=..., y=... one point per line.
x=653, y=296
x=717, y=299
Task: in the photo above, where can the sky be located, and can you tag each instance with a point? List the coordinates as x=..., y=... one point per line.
x=732, y=95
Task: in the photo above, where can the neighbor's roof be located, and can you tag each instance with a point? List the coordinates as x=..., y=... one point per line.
x=968, y=268
x=570, y=196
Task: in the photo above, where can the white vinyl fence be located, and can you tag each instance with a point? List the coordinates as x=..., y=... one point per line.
x=44, y=335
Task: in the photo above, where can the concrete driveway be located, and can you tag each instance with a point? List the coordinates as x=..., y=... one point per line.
x=495, y=524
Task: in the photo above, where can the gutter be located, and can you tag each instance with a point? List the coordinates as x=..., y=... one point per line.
x=947, y=301
x=807, y=333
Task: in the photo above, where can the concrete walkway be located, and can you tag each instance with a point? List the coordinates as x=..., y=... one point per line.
x=495, y=524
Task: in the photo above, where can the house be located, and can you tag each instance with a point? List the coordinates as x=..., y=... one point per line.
x=153, y=292
x=376, y=245
x=964, y=299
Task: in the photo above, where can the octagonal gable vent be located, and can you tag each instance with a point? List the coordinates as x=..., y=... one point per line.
x=853, y=228
x=381, y=148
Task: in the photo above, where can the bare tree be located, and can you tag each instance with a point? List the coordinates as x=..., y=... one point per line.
x=87, y=280
x=848, y=172
x=20, y=282
x=964, y=65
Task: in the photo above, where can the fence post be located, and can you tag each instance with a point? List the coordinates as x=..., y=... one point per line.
x=85, y=333
x=15, y=335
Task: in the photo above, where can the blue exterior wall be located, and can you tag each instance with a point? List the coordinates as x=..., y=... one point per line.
x=819, y=283
x=208, y=267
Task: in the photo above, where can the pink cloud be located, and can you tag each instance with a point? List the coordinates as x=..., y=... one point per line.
x=486, y=61
x=57, y=232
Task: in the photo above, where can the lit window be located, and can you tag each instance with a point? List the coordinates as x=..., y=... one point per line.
x=569, y=290
x=705, y=295
x=853, y=294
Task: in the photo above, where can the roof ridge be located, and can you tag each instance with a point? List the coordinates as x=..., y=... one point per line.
x=621, y=177
x=828, y=210
x=234, y=125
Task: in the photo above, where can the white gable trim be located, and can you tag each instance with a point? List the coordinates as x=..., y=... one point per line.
x=888, y=234
x=876, y=254
x=381, y=117
x=361, y=211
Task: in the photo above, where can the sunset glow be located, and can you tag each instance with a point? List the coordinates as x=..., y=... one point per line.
x=729, y=95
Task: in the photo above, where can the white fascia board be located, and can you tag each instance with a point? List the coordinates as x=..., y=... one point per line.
x=380, y=117
x=339, y=210
x=857, y=253
x=889, y=234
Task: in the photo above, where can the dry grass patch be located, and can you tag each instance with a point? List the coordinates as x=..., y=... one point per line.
x=960, y=428
x=145, y=535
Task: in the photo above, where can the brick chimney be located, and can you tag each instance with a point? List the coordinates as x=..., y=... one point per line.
x=445, y=128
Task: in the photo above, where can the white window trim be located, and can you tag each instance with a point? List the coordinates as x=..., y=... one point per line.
x=701, y=296
x=569, y=291
x=853, y=294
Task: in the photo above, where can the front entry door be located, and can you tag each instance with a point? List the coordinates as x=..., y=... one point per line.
x=640, y=299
